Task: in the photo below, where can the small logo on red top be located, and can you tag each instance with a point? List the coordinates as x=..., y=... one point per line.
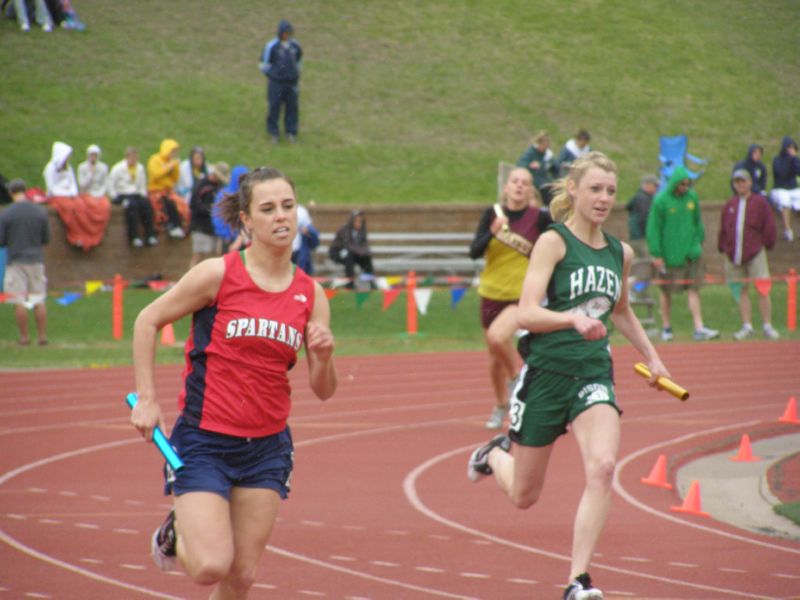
x=300, y=298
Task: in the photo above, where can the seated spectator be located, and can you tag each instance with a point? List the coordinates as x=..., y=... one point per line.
x=171, y=211
x=204, y=242
x=638, y=208
x=350, y=247
x=24, y=229
x=85, y=217
x=753, y=165
x=19, y=9
x=785, y=193
x=190, y=172
x=538, y=159
x=93, y=174
x=127, y=185
x=574, y=148
x=305, y=242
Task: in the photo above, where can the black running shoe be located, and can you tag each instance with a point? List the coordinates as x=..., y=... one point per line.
x=478, y=466
x=581, y=588
x=163, y=544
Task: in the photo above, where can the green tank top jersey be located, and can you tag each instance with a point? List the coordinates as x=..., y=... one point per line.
x=587, y=281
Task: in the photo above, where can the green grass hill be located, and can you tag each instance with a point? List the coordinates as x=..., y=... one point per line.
x=408, y=101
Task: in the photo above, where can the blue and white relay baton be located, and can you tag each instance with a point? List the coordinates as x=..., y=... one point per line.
x=160, y=440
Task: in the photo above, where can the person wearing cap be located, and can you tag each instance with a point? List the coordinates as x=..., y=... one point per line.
x=747, y=230
x=24, y=230
x=675, y=235
x=93, y=174
x=281, y=60
x=638, y=208
x=204, y=241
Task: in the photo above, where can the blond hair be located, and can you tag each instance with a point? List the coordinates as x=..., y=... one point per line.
x=562, y=204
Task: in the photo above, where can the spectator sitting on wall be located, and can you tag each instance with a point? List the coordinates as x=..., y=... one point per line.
x=170, y=209
x=350, y=247
x=127, y=185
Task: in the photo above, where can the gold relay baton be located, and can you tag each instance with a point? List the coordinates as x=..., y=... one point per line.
x=665, y=384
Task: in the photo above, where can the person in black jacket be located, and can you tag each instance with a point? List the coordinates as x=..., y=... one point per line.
x=280, y=62
x=753, y=165
x=350, y=247
x=204, y=241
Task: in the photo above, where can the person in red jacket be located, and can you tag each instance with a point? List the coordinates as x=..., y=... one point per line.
x=252, y=312
x=747, y=230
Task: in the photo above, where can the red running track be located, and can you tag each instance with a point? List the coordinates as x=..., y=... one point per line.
x=381, y=506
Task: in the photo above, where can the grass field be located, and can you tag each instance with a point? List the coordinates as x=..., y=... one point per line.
x=413, y=101
x=81, y=333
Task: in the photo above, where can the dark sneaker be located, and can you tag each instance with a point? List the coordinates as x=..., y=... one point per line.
x=163, y=544
x=581, y=588
x=478, y=466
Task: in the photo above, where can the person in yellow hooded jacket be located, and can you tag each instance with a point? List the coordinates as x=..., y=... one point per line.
x=171, y=211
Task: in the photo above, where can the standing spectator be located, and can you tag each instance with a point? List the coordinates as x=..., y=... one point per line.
x=85, y=217
x=574, y=148
x=192, y=169
x=638, y=208
x=538, y=159
x=43, y=17
x=281, y=61
x=675, y=236
x=24, y=229
x=785, y=193
x=505, y=237
x=93, y=174
x=575, y=282
x=350, y=247
x=170, y=209
x=127, y=185
x=204, y=242
x=746, y=232
x=305, y=242
x=252, y=311
x=758, y=171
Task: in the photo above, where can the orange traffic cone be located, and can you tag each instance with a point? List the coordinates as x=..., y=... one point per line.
x=658, y=475
x=745, y=451
x=691, y=504
x=167, y=335
x=790, y=414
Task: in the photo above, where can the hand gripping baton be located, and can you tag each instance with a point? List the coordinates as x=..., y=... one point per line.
x=160, y=440
x=662, y=382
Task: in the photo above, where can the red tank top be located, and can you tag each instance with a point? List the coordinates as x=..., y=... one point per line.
x=239, y=352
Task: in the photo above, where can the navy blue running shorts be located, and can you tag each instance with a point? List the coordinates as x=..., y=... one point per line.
x=214, y=462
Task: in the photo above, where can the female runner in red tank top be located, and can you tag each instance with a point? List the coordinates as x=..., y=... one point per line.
x=251, y=313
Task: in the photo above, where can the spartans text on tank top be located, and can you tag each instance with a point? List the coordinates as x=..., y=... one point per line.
x=586, y=281
x=239, y=352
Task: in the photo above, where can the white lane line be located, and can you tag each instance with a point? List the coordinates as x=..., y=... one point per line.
x=16, y=517
x=87, y=525
x=47, y=521
x=5, y=538
x=265, y=586
x=410, y=490
x=786, y=575
x=636, y=559
x=131, y=567
x=384, y=563
x=341, y=558
x=67, y=493
x=684, y=565
x=522, y=581
x=731, y=570
x=126, y=531
x=429, y=569
x=475, y=575
x=368, y=576
x=398, y=532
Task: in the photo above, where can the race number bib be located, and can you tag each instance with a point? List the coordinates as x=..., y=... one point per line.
x=517, y=407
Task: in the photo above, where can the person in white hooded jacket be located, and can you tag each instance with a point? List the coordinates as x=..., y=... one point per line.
x=85, y=217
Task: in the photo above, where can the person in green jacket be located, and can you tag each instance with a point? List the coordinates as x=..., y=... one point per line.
x=675, y=236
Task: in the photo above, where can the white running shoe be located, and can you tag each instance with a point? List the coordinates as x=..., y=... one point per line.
x=581, y=588
x=770, y=333
x=163, y=544
x=496, y=418
x=745, y=332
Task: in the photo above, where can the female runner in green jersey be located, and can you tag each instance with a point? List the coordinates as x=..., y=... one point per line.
x=577, y=278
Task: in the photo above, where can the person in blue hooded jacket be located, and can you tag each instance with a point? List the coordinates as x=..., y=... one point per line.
x=785, y=191
x=752, y=164
x=280, y=62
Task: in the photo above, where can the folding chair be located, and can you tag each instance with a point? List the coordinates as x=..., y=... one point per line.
x=672, y=152
x=641, y=273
